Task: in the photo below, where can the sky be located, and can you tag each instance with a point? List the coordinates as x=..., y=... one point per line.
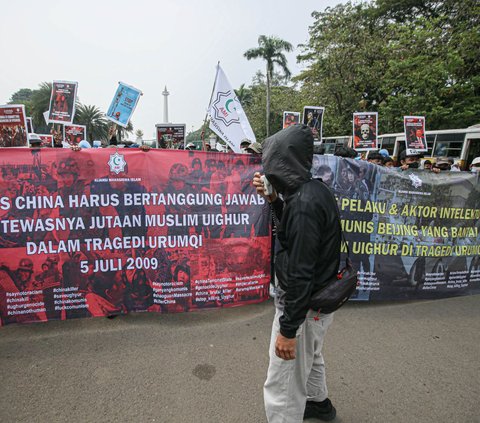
x=147, y=44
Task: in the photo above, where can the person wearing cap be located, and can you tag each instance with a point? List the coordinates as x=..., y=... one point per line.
x=35, y=141
x=190, y=146
x=245, y=144
x=475, y=165
x=409, y=161
x=384, y=152
x=208, y=147
x=255, y=148
x=442, y=164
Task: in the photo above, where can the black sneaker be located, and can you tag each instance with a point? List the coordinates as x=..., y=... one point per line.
x=320, y=410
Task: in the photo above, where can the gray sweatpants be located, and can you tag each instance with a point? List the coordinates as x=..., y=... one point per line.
x=290, y=383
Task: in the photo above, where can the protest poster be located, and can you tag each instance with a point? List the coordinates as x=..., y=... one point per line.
x=13, y=126
x=365, y=130
x=290, y=118
x=47, y=140
x=227, y=117
x=123, y=104
x=313, y=117
x=102, y=231
x=30, y=125
x=62, y=102
x=73, y=134
x=415, y=139
x=170, y=135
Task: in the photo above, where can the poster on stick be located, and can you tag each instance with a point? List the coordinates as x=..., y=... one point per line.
x=123, y=104
x=30, y=129
x=170, y=135
x=73, y=134
x=415, y=139
x=290, y=118
x=313, y=117
x=365, y=130
x=13, y=126
x=62, y=102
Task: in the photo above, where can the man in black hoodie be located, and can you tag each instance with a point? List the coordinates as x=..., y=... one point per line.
x=309, y=235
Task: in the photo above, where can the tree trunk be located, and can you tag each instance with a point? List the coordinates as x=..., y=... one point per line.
x=268, y=102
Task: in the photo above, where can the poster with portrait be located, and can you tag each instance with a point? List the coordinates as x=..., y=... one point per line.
x=13, y=126
x=73, y=134
x=62, y=102
x=170, y=135
x=290, y=118
x=123, y=104
x=30, y=125
x=365, y=130
x=415, y=139
x=313, y=117
x=47, y=140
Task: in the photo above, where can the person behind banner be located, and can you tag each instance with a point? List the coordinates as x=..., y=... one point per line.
x=388, y=162
x=409, y=161
x=309, y=233
x=475, y=165
x=375, y=157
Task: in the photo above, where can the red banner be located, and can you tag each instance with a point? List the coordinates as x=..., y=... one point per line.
x=106, y=231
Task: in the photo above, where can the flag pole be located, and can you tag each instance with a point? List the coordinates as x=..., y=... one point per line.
x=202, y=133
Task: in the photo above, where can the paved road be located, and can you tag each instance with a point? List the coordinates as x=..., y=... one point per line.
x=396, y=362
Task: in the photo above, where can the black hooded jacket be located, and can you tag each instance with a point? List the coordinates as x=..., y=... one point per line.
x=309, y=232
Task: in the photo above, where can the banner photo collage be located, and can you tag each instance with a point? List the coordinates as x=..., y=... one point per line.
x=411, y=234
x=96, y=232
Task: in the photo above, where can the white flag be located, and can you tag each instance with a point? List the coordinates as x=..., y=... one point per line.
x=227, y=117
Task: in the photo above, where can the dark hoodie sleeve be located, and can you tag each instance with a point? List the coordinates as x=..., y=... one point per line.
x=305, y=229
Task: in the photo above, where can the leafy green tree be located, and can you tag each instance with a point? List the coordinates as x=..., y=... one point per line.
x=94, y=120
x=121, y=132
x=244, y=95
x=23, y=96
x=397, y=58
x=282, y=98
x=271, y=50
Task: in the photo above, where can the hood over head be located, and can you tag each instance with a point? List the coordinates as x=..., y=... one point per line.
x=287, y=158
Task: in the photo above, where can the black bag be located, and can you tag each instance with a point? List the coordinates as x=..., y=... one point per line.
x=338, y=290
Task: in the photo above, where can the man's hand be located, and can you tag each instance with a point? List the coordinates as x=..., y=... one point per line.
x=75, y=148
x=285, y=347
x=145, y=147
x=258, y=184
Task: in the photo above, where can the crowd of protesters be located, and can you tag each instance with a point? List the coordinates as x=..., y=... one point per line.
x=407, y=161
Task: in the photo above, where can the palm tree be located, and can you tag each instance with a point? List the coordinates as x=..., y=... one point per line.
x=271, y=50
x=139, y=134
x=40, y=103
x=120, y=131
x=94, y=120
